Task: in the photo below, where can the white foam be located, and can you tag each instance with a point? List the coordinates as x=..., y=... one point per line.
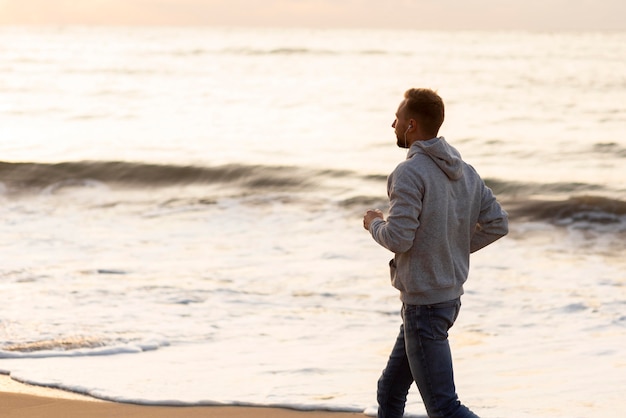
x=82, y=352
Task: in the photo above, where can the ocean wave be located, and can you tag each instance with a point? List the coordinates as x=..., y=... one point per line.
x=75, y=347
x=277, y=51
x=566, y=202
x=525, y=190
x=48, y=178
x=297, y=51
x=585, y=209
x=610, y=148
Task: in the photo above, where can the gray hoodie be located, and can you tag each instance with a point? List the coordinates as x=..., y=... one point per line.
x=440, y=212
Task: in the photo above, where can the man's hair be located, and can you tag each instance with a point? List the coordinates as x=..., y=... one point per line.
x=426, y=106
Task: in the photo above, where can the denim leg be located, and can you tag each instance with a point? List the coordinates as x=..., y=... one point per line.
x=428, y=351
x=395, y=381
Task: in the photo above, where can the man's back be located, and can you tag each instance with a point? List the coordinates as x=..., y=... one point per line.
x=436, y=202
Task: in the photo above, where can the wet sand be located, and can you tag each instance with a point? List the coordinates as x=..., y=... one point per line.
x=26, y=401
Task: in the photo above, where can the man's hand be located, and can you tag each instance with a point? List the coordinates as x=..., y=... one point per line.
x=370, y=215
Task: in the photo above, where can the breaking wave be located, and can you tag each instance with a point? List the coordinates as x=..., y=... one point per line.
x=577, y=209
x=568, y=203
x=23, y=177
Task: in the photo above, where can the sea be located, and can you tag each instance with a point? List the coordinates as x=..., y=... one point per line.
x=181, y=214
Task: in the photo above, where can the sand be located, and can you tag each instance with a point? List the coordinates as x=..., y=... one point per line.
x=26, y=401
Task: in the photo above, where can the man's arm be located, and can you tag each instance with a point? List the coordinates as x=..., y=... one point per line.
x=493, y=222
x=398, y=231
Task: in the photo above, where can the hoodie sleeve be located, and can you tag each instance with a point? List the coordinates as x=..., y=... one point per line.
x=492, y=223
x=397, y=233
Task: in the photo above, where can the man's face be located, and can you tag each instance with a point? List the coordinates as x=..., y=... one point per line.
x=400, y=125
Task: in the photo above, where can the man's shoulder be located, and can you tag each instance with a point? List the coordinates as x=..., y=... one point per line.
x=411, y=171
x=419, y=163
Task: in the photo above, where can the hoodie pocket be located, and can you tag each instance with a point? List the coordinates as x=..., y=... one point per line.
x=392, y=268
x=393, y=271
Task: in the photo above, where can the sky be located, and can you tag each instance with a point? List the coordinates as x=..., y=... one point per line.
x=550, y=15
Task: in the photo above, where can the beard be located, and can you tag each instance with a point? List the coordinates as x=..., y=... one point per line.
x=401, y=141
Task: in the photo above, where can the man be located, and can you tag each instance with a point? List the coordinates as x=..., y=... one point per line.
x=440, y=212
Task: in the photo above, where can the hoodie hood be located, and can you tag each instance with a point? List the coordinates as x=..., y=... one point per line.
x=447, y=158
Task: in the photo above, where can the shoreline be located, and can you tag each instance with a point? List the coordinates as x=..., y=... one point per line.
x=27, y=401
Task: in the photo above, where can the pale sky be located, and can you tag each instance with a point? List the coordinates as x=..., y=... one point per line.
x=603, y=15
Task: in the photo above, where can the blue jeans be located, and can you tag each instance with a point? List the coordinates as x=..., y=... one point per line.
x=422, y=354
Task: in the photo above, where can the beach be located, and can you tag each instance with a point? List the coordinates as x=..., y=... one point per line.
x=181, y=217
x=26, y=401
